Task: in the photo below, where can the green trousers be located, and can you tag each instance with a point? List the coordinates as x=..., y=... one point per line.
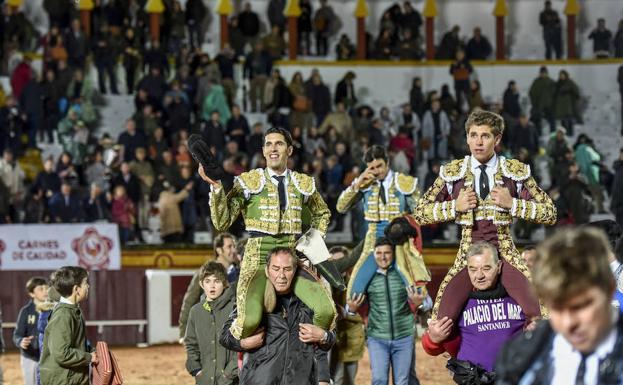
x=252, y=285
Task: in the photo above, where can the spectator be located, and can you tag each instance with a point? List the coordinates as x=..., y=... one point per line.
x=588, y=160
x=213, y=132
x=274, y=42
x=601, y=37
x=478, y=47
x=449, y=45
x=131, y=184
x=21, y=76
x=391, y=322
x=123, y=214
x=576, y=193
x=511, y=105
x=35, y=210
x=566, y=96
x=324, y=25
x=225, y=249
x=52, y=94
x=618, y=41
x=65, y=206
x=168, y=170
x=571, y=269
x=131, y=58
x=416, y=97
x=524, y=135
x=154, y=84
x=155, y=57
x=345, y=91
x=238, y=128
x=269, y=351
x=616, y=202
x=207, y=361
x=97, y=205
x=474, y=99
x=77, y=45
x=130, y=140
x=305, y=27
x=340, y=121
x=30, y=104
x=13, y=177
x=195, y=12
x=403, y=146
x=410, y=19
x=26, y=335
x=435, y=131
x=258, y=65
x=276, y=16
x=409, y=47
x=552, y=30
x=472, y=361
x=171, y=227
x=345, y=49
x=226, y=60
x=249, y=24
x=104, y=54
x=47, y=180
x=461, y=71
x=320, y=97
x=384, y=45
x=541, y=95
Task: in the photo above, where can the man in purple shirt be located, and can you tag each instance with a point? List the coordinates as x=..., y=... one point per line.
x=489, y=319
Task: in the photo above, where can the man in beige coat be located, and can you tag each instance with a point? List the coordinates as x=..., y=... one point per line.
x=171, y=227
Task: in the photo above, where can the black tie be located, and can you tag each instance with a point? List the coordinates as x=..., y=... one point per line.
x=382, y=194
x=579, y=377
x=484, y=181
x=282, y=192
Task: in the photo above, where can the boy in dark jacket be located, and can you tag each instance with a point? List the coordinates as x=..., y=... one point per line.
x=65, y=358
x=207, y=360
x=26, y=335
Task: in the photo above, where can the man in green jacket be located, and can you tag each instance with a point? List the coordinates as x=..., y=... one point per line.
x=65, y=358
x=542, y=100
x=391, y=324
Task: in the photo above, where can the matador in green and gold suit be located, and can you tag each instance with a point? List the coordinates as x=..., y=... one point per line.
x=255, y=196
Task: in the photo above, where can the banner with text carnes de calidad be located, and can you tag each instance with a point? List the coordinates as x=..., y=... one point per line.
x=93, y=246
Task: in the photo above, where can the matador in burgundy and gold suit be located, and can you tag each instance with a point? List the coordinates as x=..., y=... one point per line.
x=485, y=222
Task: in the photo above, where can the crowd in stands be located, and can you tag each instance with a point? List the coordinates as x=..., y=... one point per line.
x=178, y=90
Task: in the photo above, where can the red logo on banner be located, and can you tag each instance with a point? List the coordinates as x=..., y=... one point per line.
x=92, y=249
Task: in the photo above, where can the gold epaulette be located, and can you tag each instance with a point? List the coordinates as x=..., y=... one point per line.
x=305, y=184
x=514, y=169
x=455, y=170
x=406, y=184
x=252, y=182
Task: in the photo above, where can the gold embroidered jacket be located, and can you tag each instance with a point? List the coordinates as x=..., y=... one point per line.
x=402, y=196
x=258, y=202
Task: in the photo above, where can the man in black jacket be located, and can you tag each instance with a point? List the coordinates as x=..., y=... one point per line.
x=287, y=348
x=582, y=342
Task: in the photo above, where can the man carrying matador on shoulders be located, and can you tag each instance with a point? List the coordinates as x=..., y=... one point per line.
x=484, y=193
x=273, y=203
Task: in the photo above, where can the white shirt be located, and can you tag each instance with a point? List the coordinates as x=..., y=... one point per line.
x=492, y=168
x=272, y=173
x=385, y=183
x=567, y=359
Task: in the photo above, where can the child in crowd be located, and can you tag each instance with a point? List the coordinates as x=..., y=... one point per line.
x=64, y=358
x=208, y=361
x=26, y=334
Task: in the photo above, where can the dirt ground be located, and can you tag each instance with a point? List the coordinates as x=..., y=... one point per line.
x=164, y=365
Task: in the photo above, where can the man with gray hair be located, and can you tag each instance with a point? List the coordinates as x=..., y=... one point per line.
x=490, y=315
